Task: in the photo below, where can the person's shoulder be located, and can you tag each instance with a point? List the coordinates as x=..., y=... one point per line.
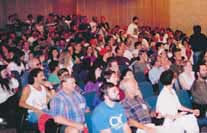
x=59, y=94
x=162, y=92
x=98, y=111
x=118, y=106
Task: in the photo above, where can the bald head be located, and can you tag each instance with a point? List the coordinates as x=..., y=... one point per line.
x=34, y=63
x=130, y=87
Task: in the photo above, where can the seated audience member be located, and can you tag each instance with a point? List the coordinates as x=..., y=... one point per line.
x=199, y=89
x=63, y=73
x=154, y=74
x=169, y=107
x=90, y=54
x=17, y=63
x=137, y=48
x=8, y=86
x=120, y=57
x=53, y=55
x=139, y=115
x=33, y=63
x=71, y=105
x=66, y=61
x=113, y=65
x=111, y=77
x=101, y=61
x=128, y=74
x=109, y=115
x=94, y=80
x=142, y=64
x=163, y=58
x=177, y=65
x=35, y=95
x=187, y=77
x=53, y=77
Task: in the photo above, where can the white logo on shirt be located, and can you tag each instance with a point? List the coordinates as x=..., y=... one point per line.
x=116, y=121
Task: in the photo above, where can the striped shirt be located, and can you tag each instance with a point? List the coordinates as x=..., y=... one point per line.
x=71, y=106
x=136, y=109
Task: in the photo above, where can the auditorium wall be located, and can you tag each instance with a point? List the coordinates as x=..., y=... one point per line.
x=150, y=12
x=186, y=13
x=178, y=14
x=35, y=7
x=2, y=13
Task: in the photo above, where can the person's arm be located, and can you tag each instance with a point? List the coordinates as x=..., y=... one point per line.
x=126, y=128
x=134, y=123
x=50, y=90
x=105, y=131
x=196, y=112
x=57, y=111
x=22, y=102
x=63, y=121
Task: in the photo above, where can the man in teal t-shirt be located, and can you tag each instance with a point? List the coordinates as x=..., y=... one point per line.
x=109, y=115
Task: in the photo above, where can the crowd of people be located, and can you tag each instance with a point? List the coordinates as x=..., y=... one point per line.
x=48, y=63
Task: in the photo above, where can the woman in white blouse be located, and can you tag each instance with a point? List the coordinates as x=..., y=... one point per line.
x=187, y=77
x=169, y=107
x=17, y=63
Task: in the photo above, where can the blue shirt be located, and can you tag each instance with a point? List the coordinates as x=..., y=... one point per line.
x=105, y=117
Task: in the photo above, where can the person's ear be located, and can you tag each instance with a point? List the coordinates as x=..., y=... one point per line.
x=198, y=74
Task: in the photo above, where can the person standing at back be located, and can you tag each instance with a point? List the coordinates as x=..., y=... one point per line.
x=198, y=42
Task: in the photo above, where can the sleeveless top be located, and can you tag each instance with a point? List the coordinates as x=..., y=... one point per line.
x=37, y=98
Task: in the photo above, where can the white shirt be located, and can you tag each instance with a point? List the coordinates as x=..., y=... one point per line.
x=93, y=27
x=128, y=54
x=37, y=98
x=188, y=79
x=154, y=74
x=168, y=102
x=133, y=30
x=14, y=67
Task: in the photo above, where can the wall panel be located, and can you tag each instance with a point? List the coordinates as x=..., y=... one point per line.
x=35, y=7
x=25, y=7
x=184, y=14
x=151, y=12
x=64, y=7
x=2, y=13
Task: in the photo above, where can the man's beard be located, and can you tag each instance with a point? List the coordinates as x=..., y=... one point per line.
x=204, y=78
x=114, y=100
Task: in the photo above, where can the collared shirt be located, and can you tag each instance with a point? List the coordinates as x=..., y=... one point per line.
x=137, y=109
x=71, y=106
x=154, y=74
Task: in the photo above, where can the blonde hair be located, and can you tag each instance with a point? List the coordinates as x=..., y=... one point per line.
x=65, y=58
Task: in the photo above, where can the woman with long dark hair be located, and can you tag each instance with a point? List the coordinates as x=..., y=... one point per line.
x=8, y=89
x=17, y=63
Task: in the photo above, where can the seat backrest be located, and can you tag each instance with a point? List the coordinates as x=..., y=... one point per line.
x=140, y=77
x=151, y=101
x=89, y=121
x=23, y=124
x=89, y=96
x=184, y=98
x=146, y=89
